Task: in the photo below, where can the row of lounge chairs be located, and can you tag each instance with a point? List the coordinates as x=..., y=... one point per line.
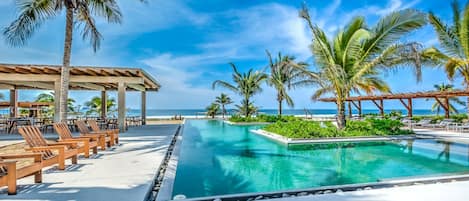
x=448, y=124
x=46, y=154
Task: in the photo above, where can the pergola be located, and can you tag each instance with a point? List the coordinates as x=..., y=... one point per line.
x=442, y=97
x=16, y=77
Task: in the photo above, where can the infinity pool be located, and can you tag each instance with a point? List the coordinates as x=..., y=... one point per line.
x=218, y=159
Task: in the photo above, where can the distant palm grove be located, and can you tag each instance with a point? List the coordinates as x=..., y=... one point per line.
x=354, y=59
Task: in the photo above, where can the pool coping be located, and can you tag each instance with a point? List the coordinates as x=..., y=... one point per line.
x=288, y=141
x=165, y=192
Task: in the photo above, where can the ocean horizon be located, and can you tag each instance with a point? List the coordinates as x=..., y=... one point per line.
x=159, y=113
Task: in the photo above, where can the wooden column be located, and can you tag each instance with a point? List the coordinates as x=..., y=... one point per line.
x=447, y=107
x=144, y=108
x=360, y=108
x=380, y=106
x=103, y=104
x=410, y=110
x=408, y=106
x=56, y=101
x=349, y=109
x=121, y=106
x=13, y=103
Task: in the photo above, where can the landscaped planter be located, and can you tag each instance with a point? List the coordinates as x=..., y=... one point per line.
x=246, y=123
x=286, y=140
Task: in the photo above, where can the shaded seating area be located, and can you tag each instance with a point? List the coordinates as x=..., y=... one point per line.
x=16, y=77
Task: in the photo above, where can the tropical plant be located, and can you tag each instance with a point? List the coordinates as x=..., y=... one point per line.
x=436, y=106
x=78, y=13
x=50, y=98
x=285, y=74
x=247, y=85
x=212, y=110
x=453, y=39
x=95, y=105
x=355, y=58
x=223, y=100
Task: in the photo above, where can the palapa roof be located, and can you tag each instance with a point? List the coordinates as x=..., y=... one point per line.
x=21, y=76
x=428, y=94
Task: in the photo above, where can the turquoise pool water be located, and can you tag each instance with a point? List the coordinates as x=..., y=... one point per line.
x=219, y=159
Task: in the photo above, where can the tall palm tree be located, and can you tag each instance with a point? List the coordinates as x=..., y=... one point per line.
x=223, y=100
x=213, y=110
x=452, y=100
x=454, y=44
x=353, y=60
x=32, y=13
x=246, y=84
x=285, y=73
x=96, y=103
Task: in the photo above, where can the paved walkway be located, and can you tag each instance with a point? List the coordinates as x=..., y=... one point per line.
x=122, y=173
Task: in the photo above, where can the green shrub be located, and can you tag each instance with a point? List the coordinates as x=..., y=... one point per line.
x=263, y=118
x=312, y=129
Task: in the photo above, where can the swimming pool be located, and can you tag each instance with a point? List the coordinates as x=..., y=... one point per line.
x=218, y=159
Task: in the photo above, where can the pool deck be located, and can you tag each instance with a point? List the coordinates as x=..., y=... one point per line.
x=455, y=191
x=123, y=173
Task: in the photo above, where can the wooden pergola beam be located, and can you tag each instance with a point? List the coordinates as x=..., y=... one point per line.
x=408, y=106
x=136, y=87
x=73, y=78
x=35, y=85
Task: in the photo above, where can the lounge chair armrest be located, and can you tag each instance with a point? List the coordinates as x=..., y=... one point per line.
x=45, y=148
x=7, y=163
x=94, y=136
x=36, y=156
x=98, y=132
x=75, y=140
x=63, y=143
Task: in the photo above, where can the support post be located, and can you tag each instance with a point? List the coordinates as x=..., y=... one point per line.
x=121, y=106
x=56, y=101
x=349, y=109
x=410, y=111
x=103, y=104
x=144, y=108
x=380, y=106
x=360, y=108
x=13, y=103
x=447, y=107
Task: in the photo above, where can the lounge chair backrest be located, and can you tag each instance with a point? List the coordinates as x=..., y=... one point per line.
x=94, y=125
x=33, y=137
x=63, y=131
x=82, y=127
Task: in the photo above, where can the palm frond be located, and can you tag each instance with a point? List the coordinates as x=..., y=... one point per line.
x=31, y=15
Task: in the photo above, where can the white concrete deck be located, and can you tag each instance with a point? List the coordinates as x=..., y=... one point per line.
x=122, y=173
x=456, y=191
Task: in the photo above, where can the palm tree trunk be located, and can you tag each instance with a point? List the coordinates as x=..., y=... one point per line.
x=65, y=72
x=280, y=108
x=247, y=108
x=223, y=111
x=467, y=100
x=341, y=122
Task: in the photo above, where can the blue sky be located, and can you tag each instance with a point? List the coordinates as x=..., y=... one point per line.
x=186, y=45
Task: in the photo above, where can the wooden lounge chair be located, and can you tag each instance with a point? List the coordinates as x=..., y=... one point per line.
x=84, y=143
x=113, y=133
x=33, y=137
x=10, y=171
x=84, y=131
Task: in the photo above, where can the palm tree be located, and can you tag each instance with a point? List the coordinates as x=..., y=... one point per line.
x=50, y=98
x=246, y=84
x=223, y=100
x=32, y=13
x=285, y=74
x=446, y=87
x=354, y=59
x=453, y=38
x=95, y=105
x=213, y=110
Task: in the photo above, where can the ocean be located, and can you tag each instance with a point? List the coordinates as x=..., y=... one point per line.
x=166, y=113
